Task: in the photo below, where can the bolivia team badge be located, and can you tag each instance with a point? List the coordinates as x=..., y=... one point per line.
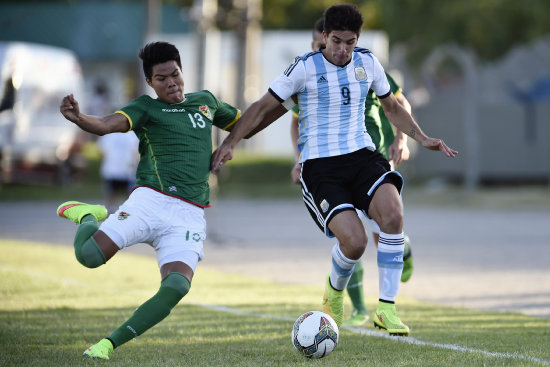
x=123, y=215
x=206, y=112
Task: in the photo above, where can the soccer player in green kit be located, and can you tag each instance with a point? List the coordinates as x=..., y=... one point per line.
x=392, y=144
x=166, y=207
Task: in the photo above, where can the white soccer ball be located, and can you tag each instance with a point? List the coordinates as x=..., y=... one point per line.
x=315, y=334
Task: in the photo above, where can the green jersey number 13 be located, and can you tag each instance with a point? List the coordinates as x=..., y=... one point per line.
x=199, y=123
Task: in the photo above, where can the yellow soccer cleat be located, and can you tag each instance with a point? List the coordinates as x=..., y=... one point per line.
x=333, y=303
x=101, y=350
x=357, y=319
x=75, y=211
x=386, y=318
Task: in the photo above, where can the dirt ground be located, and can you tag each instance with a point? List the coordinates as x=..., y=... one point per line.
x=494, y=260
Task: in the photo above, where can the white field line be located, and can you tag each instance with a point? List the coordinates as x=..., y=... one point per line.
x=379, y=334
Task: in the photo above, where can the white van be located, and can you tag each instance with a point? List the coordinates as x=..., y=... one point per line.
x=37, y=144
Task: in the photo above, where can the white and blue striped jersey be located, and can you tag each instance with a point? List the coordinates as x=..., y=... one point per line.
x=332, y=101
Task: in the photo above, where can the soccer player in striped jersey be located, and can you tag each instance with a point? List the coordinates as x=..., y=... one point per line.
x=166, y=207
x=341, y=169
x=392, y=144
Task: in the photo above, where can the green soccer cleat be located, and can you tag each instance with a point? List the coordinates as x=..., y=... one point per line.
x=357, y=319
x=333, y=303
x=75, y=211
x=101, y=350
x=386, y=318
x=407, y=261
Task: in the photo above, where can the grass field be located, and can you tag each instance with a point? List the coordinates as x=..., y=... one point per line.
x=51, y=309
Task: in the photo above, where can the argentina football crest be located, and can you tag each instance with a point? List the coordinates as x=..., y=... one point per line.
x=360, y=74
x=324, y=205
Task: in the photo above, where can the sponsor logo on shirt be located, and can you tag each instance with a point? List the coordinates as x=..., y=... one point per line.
x=172, y=188
x=206, y=112
x=322, y=79
x=173, y=110
x=360, y=74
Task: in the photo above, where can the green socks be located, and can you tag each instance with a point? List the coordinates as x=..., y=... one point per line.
x=355, y=289
x=172, y=289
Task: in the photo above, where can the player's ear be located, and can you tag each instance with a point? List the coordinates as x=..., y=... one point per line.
x=148, y=82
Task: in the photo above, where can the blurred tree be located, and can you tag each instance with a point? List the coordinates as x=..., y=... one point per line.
x=489, y=27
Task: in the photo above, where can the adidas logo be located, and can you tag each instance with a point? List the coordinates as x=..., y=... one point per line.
x=322, y=79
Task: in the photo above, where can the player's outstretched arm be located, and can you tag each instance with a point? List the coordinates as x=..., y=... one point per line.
x=115, y=122
x=251, y=120
x=405, y=122
x=269, y=118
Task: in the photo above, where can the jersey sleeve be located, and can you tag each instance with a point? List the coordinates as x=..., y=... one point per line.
x=380, y=84
x=292, y=81
x=135, y=112
x=395, y=88
x=225, y=115
x=296, y=110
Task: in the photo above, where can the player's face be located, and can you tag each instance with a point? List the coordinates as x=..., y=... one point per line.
x=340, y=45
x=318, y=41
x=167, y=81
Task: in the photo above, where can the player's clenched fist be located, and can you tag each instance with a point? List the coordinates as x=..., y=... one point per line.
x=69, y=108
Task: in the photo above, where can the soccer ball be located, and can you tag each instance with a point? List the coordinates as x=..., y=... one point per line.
x=315, y=334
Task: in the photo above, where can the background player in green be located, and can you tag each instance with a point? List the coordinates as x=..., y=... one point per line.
x=393, y=146
x=166, y=208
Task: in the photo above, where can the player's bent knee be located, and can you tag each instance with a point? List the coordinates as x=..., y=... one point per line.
x=90, y=254
x=391, y=222
x=353, y=246
x=178, y=282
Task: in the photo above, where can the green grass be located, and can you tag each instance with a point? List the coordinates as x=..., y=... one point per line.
x=51, y=309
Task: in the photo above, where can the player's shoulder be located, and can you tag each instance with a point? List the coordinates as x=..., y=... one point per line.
x=302, y=60
x=307, y=55
x=144, y=98
x=142, y=102
x=201, y=96
x=362, y=50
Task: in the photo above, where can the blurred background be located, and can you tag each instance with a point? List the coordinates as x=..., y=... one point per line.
x=477, y=73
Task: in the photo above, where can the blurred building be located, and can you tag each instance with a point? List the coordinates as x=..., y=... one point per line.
x=497, y=115
x=105, y=35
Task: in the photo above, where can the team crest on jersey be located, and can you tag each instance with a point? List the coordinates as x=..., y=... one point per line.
x=206, y=112
x=360, y=74
x=123, y=215
x=324, y=205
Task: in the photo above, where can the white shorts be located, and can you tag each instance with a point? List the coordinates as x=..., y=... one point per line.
x=173, y=227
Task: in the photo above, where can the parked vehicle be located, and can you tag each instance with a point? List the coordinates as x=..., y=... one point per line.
x=36, y=143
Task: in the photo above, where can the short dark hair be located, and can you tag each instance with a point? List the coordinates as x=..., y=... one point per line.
x=319, y=25
x=343, y=17
x=157, y=53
